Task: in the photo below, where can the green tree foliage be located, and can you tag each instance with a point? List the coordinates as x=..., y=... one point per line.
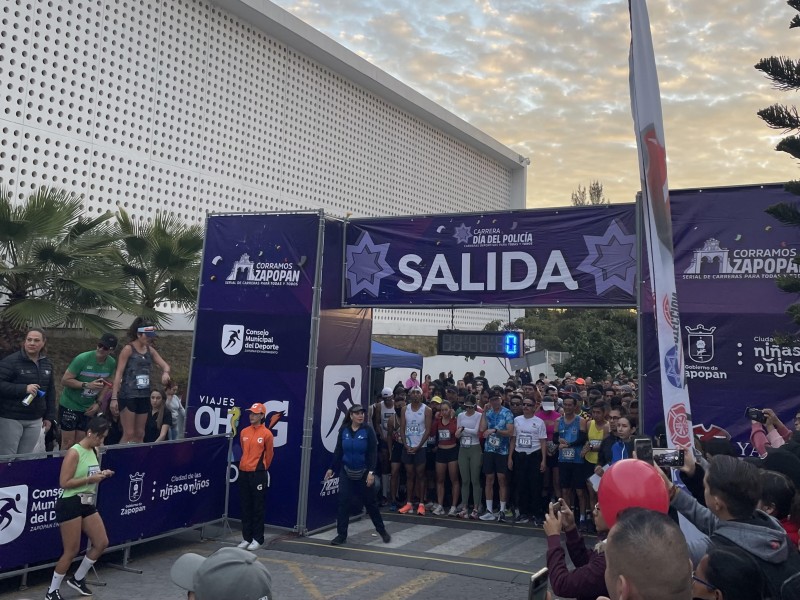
x=162, y=261
x=600, y=341
x=785, y=75
x=592, y=197
x=56, y=268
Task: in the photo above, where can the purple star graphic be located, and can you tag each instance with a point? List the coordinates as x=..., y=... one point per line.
x=611, y=259
x=366, y=266
x=462, y=233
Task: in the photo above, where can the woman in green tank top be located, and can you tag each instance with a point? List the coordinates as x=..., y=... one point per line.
x=76, y=511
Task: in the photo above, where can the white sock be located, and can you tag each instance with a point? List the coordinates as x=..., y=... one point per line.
x=502, y=506
x=82, y=571
x=56, y=582
x=489, y=504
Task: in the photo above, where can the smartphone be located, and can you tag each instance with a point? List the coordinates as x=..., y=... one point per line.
x=538, y=587
x=668, y=457
x=755, y=414
x=644, y=449
x=557, y=505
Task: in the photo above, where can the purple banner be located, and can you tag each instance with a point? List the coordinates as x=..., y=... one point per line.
x=567, y=257
x=28, y=529
x=342, y=377
x=161, y=487
x=252, y=339
x=728, y=251
x=728, y=254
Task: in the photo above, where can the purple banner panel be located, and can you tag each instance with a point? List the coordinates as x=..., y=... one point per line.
x=342, y=377
x=161, y=487
x=728, y=251
x=260, y=263
x=28, y=529
x=579, y=256
x=252, y=340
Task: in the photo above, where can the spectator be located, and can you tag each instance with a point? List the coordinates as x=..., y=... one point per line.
x=727, y=574
x=481, y=378
x=178, y=412
x=647, y=558
x=230, y=573
x=412, y=381
x=623, y=447
x=27, y=396
x=497, y=425
x=114, y=426
x=159, y=419
x=427, y=388
x=772, y=434
x=257, y=446
x=86, y=379
x=470, y=456
x=778, y=497
x=587, y=580
x=732, y=491
x=444, y=431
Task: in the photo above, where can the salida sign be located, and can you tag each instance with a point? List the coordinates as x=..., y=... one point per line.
x=580, y=256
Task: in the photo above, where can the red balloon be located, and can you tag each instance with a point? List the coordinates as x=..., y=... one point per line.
x=628, y=483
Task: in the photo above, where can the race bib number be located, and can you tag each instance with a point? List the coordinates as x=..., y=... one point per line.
x=92, y=470
x=551, y=448
x=413, y=429
x=142, y=382
x=525, y=440
x=444, y=435
x=568, y=454
x=493, y=441
x=466, y=441
x=594, y=445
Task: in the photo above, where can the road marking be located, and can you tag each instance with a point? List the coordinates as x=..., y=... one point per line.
x=460, y=545
x=361, y=577
x=413, y=587
x=352, y=529
x=407, y=536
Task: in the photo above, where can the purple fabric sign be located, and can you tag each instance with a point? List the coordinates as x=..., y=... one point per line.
x=252, y=339
x=728, y=251
x=28, y=529
x=567, y=257
x=160, y=487
x=342, y=377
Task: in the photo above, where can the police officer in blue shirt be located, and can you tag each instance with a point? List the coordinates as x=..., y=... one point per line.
x=354, y=459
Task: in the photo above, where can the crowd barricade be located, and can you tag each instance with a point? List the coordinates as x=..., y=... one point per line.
x=157, y=489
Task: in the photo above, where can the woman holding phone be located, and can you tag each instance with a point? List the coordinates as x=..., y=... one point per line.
x=76, y=511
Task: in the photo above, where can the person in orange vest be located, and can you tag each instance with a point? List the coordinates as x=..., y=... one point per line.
x=257, y=452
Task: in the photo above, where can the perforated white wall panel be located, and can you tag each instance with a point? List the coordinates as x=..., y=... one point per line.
x=178, y=105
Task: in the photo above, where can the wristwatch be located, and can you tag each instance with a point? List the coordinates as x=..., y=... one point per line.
x=84, y=385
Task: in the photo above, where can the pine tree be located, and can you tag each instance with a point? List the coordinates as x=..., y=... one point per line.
x=785, y=76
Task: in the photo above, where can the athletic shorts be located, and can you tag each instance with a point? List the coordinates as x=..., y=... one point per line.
x=72, y=508
x=588, y=469
x=495, y=463
x=72, y=420
x=571, y=475
x=397, y=452
x=447, y=455
x=139, y=406
x=416, y=459
x=551, y=461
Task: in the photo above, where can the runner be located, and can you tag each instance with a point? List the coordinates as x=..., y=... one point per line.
x=470, y=456
x=415, y=427
x=444, y=430
x=527, y=459
x=497, y=425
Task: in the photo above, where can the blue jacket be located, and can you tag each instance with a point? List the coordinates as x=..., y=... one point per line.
x=355, y=449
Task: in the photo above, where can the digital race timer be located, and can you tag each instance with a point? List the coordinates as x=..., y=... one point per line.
x=507, y=344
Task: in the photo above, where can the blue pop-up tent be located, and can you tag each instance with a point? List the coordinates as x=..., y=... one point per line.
x=384, y=356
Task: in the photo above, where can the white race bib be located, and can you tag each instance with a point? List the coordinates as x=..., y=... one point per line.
x=493, y=441
x=142, y=382
x=525, y=440
x=466, y=441
x=444, y=435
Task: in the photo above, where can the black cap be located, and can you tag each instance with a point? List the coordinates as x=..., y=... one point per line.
x=109, y=340
x=356, y=408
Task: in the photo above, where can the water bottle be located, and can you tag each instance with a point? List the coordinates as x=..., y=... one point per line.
x=29, y=398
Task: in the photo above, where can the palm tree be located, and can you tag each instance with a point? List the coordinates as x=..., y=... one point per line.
x=55, y=268
x=162, y=260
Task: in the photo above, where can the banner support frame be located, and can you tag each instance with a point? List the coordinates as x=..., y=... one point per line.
x=642, y=391
x=311, y=383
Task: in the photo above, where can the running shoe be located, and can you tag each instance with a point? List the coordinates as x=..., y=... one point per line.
x=337, y=541
x=452, y=512
x=243, y=544
x=489, y=516
x=406, y=508
x=522, y=519
x=474, y=515
x=429, y=505
x=438, y=510
x=393, y=507
x=80, y=585
x=508, y=514
x=54, y=595
x=386, y=537
x=421, y=509
x=253, y=546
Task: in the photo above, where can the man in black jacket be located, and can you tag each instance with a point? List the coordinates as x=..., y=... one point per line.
x=27, y=396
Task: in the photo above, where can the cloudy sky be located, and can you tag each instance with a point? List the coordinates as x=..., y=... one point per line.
x=549, y=78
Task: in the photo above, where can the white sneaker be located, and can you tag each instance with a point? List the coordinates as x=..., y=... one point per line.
x=488, y=516
x=243, y=544
x=452, y=512
x=254, y=545
x=438, y=510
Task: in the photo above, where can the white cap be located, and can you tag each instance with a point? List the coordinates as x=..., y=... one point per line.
x=387, y=392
